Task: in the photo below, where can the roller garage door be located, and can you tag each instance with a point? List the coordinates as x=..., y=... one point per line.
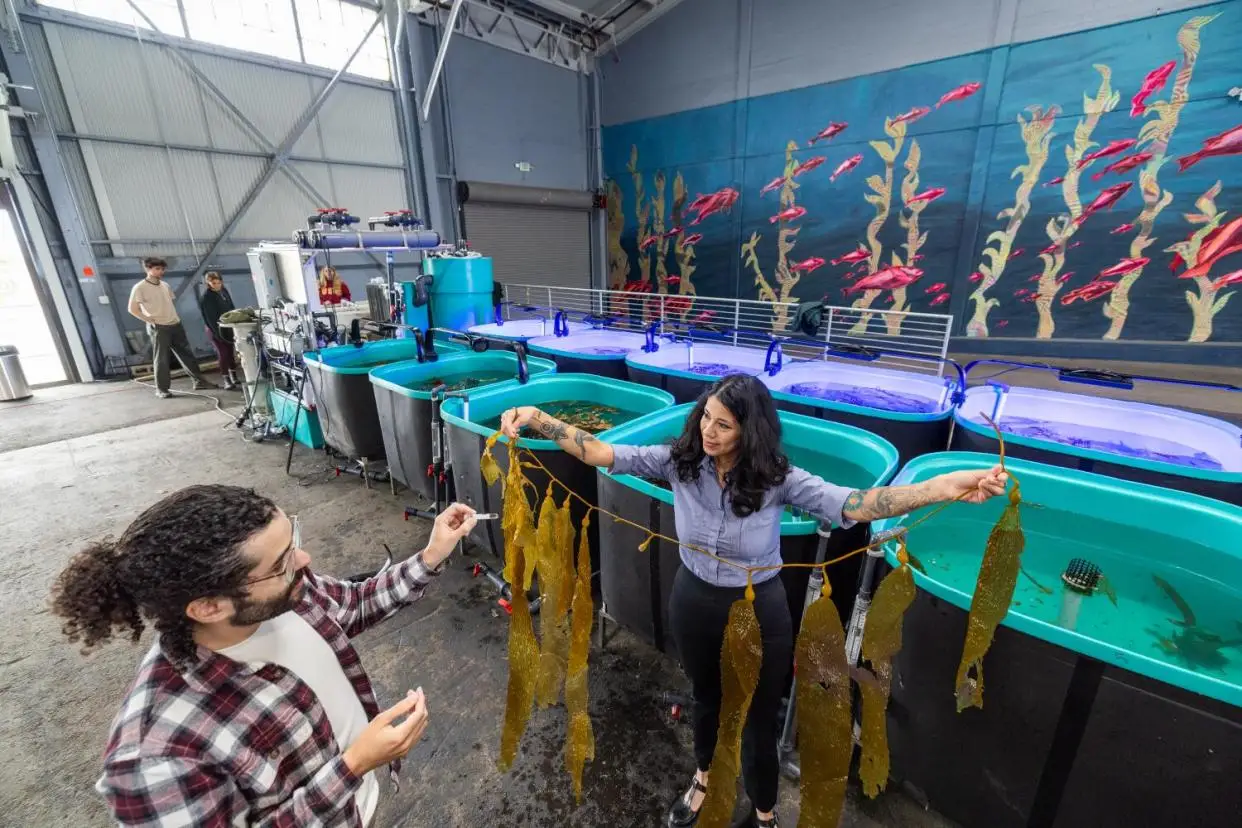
x=534, y=236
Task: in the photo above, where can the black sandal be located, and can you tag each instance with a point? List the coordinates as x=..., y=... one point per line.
x=679, y=813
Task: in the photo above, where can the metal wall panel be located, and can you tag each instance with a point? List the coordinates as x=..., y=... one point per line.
x=359, y=123
x=83, y=188
x=368, y=191
x=272, y=99
x=45, y=71
x=532, y=245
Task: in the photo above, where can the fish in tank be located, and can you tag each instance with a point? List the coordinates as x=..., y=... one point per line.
x=459, y=382
x=583, y=414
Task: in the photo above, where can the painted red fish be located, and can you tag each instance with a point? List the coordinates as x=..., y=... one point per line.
x=940, y=300
x=701, y=201
x=1089, y=291
x=927, y=195
x=1107, y=198
x=917, y=257
x=1113, y=148
x=1036, y=277
x=1228, y=279
x=1020, y=292
x=1075, y=244
x=647, y=242
x=1058, y=180
x=911, y=116
x=792, y=214
x=1224, y=242
x=890, y=278
x=704, y=317
x=1000, y=323
x=1013, y=254
x=1124, y=164
x=719, y=201
x=1153, y=83
x=1121, y=228
x=679, y=305
x=976, y=277
x=961, y=93
x=1065, y=277
x=1123, y=267
x=774, y=184
x=1228, y=142
x=862, y=254
x=1050, y=249
x=829, y=132
x=808, y=165
x=676, y=231
x=692, y=239
x=673, y=280
x=808, y=265
x=846, y=165
x=936, y=288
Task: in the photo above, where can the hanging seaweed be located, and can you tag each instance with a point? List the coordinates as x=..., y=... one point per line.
x=1154, y=137
x=998, y=575
x=881, y=641
x=740, y=658
x=523, y=669
x=556, y=581
x=825, y=727
x=580, y=741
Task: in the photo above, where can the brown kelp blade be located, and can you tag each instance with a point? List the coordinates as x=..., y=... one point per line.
x=556, y=580
x=580, y=741
x=740, y=659
x=825, y=738
x=882, y=641
x=488, y=464
x=1188, y=615
x=523, y=670
x=998, y=575
x=517, y=520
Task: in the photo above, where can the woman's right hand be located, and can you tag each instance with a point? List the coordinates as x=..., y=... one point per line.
x=514, y=419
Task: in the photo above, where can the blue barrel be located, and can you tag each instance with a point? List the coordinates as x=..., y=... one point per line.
x=461, y=293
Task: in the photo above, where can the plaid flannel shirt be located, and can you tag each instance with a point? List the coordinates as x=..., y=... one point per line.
x=223, y=743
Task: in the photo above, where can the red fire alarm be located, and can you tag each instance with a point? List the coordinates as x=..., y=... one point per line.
x=88, y=271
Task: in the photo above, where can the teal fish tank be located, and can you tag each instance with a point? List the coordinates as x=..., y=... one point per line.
x=1112, y=690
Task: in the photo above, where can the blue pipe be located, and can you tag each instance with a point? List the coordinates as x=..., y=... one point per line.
x=560, y=325
x=1104, y=379
x=368, y=240
x=774, y=348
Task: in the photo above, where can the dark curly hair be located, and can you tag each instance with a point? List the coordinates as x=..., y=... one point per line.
x=761, y=465
x=185, y=547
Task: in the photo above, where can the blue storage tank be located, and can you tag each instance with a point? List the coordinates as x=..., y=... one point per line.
x=460, y=293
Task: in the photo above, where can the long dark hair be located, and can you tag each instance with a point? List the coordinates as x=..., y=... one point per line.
x=761, y=465
x=186, y=546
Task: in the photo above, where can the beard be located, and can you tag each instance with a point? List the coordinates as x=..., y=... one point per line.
x=247, y=611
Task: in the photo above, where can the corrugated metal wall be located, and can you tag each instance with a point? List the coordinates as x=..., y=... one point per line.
x=158, y=162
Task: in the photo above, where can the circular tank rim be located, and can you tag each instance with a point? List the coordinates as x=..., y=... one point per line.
x=450, y=408
x=865, y=411
x=790, y=525
x=316, y=357
x=635, y=360
x=1016, y=618
x=535, y=365
x=1171, y=469
x=543, y=345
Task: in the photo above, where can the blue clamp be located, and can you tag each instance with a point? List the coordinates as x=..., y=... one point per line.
x=560, y=325
x=774, y=348
x=651, y=346
x=497, y=317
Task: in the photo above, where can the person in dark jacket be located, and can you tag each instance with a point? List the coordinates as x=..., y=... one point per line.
x=214, y=304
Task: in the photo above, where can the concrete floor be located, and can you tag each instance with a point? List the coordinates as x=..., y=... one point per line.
x=79, y=462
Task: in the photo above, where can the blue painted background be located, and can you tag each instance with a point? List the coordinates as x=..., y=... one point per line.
x=970, y=148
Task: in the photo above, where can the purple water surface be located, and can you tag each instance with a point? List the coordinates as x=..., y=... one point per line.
x=603, y=350
x=1109, y=440
x=880, y=398
x=713, y=369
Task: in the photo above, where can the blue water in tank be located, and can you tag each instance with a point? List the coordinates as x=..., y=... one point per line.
x=461, y=293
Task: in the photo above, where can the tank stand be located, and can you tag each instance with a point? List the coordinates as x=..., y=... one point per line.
x=604, y=617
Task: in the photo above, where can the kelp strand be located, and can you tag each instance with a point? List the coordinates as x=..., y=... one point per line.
x=556, y=580
x=740, y=658
x=881, y=641
x=825, y=737
x=580, y=741
x=523, y=669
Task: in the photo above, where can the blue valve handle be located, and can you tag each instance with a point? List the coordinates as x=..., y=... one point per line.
x=774, y=348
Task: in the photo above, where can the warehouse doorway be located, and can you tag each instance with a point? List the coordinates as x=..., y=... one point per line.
x=24, y=311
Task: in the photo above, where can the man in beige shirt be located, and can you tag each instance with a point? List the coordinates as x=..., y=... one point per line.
x=151, y=301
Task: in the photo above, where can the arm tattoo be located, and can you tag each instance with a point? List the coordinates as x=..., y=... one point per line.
x=553, y=429
x=582, y=438
x=885, y=501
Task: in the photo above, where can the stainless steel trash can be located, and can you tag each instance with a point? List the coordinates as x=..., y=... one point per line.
x=13, y=384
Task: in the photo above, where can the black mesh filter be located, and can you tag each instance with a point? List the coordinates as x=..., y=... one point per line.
x=1081, y=575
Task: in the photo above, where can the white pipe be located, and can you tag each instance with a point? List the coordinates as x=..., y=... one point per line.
x=440, y=55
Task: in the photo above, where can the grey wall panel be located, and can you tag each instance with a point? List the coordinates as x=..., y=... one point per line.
x=507, y=108
x=359, y=123
x=45, y=71
x=83, y=188
x=279, y=208
x=235, y=175
x=323, y=179
x=176, y=98
x=367, y=191
x=271, y=98
x=200, y=200
x=692, y=57
x=112, y=102
x=140, y=192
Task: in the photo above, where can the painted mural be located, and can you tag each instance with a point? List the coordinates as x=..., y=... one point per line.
x=1082, y=187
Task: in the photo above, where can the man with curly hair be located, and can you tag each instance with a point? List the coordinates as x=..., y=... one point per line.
x=252, y=707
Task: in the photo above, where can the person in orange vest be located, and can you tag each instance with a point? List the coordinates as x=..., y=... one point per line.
x=332, y=290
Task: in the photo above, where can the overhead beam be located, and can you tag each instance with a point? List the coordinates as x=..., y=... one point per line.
x=441, y=53
x=658, y=10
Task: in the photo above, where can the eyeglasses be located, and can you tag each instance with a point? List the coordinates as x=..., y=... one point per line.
x=294, y=545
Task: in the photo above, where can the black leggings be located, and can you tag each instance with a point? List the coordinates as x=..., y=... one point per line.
x=698, y=613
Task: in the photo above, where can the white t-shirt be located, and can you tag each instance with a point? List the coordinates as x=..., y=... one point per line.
x=155, y=302
x=292, y=643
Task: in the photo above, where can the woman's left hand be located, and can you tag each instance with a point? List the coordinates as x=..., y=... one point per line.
x=971, y=486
